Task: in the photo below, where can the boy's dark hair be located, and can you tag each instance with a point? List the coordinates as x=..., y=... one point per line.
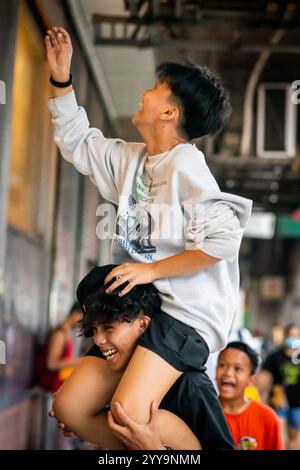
x=76, y=307
x=253, y=356
x=105, y=309
x=203, y=100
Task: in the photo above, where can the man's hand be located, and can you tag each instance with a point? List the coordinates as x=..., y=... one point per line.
x=61, y=426
x=59, y=53
x=134, y=273
x=134, y=435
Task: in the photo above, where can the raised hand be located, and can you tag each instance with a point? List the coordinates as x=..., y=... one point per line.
x=59, y=53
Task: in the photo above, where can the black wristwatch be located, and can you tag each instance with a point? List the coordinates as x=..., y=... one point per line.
x=61, y=84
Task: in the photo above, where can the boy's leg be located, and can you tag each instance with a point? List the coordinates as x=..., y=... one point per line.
x=175, y=432
x=148, y=377
x=81, y=398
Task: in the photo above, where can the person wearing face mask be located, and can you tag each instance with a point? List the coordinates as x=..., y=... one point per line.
x=279, y=383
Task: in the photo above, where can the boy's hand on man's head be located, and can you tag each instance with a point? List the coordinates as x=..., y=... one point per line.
x=133, y=273
x=59, y=53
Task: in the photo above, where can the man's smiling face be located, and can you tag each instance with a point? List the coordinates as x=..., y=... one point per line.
x=117, y=341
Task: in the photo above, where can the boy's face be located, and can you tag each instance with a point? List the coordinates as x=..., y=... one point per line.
x=233, y=374
x=118, y=341
x=155, y=105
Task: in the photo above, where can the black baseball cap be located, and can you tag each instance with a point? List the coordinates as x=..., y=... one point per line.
x=95, y=279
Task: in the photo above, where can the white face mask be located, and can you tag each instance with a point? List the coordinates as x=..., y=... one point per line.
x=292, y=342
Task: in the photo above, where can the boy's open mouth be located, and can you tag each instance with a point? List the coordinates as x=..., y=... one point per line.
x=109, y=354
x=227, y=384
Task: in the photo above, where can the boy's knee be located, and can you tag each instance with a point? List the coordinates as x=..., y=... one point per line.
x=67, y=412
x=61, y=408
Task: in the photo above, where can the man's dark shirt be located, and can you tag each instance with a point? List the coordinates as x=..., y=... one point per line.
x=285, y=373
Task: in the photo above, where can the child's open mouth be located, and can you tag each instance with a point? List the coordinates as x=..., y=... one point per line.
x=227, y=385
x=109, y=354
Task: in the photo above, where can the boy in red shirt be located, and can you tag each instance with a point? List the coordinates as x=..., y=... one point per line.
x=254, y=426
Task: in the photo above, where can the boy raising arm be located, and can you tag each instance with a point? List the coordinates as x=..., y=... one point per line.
x=196, y=272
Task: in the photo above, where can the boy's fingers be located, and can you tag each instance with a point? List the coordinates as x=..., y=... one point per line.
x=127, y=289
x=60, y=39
x=52, y=37
x=51, y=414
x=117, y=283
x=48, y=43
x=65, y=35
x=115, y=272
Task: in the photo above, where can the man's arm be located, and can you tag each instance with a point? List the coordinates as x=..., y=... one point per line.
x=155, y=435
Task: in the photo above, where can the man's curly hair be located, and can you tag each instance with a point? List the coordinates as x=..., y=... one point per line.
x=105, y=309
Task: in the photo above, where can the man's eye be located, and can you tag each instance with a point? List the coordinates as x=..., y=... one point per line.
x=108, y=327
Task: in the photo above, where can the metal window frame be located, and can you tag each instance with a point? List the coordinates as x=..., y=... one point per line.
x=289, y=122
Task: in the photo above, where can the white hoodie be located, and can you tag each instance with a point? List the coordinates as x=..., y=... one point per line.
x=185, y=210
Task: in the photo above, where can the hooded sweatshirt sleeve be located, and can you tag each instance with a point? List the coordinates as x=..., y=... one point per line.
x=102, y=159
x=215, y=221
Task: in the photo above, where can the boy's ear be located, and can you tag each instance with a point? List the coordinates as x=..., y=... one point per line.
x=252, y=380
x=144, y=323
x=169, y=113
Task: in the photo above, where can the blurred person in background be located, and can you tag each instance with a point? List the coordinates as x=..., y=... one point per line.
x=277, y=335
x=253, y=425
x=56, y=361
x=279, y=383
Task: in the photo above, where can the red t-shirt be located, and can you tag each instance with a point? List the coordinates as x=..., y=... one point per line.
x=256, y=428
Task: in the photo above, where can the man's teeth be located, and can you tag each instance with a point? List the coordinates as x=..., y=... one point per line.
x=109, y=353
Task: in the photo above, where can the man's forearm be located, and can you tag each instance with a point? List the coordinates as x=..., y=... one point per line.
x=186, y=262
